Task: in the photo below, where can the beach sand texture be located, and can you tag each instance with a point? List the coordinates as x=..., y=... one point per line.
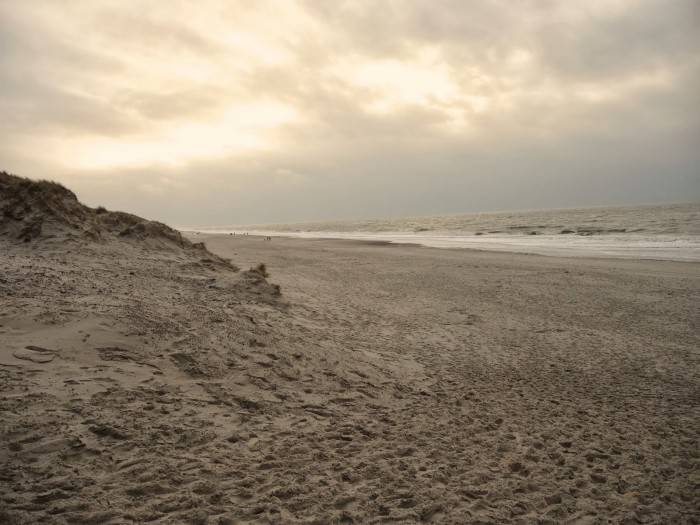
x=143, y=380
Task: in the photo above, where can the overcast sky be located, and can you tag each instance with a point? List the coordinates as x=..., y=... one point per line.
x=218, y=112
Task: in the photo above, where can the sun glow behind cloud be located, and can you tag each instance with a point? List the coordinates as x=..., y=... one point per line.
x=234, y=131
x=392, y=83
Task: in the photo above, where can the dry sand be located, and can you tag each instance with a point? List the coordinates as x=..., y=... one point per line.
x=387, y=384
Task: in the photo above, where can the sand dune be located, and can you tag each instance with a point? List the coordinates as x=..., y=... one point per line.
x=143, y=379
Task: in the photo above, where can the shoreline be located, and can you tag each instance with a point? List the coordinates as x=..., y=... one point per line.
x=657, y=232
x=561, y=258
x=519, y=245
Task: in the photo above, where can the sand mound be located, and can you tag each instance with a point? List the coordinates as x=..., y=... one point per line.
x=42, y=210
x=29, y=206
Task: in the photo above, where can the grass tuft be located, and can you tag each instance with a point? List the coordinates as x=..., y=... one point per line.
x=261, y=269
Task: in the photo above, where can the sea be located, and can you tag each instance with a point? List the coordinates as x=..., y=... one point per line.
x=659, y=231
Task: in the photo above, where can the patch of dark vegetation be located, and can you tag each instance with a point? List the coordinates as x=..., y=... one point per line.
x=49, y=189
x=229, y=263
x=261, y=270
x=154, y=229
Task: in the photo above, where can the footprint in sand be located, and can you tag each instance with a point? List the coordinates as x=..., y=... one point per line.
x=35, y=354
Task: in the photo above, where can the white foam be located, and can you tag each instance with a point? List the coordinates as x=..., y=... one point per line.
x=628, y=246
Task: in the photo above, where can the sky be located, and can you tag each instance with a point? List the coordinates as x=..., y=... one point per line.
x=214, y=112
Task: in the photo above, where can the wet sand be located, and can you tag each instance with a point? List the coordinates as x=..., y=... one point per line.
x=387, y=384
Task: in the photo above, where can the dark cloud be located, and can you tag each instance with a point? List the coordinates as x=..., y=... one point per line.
x=32, y=106
x=651, y=35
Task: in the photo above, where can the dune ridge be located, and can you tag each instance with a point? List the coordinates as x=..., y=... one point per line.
x=47, y=212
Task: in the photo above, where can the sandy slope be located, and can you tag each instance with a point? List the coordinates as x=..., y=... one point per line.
x=387, y=384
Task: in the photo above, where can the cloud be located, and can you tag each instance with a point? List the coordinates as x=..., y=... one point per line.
x=351, y=107
x=286, y=177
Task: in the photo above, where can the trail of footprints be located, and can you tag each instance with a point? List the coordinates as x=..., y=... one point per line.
x=310, y=429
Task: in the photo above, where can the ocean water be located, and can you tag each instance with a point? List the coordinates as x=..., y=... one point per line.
x=663, y=232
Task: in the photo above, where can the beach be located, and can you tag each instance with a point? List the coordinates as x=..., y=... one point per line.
x=384, y=384
x=350, y=263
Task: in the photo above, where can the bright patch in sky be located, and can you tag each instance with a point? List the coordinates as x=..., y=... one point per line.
x=392, y=83
x=237, y=130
